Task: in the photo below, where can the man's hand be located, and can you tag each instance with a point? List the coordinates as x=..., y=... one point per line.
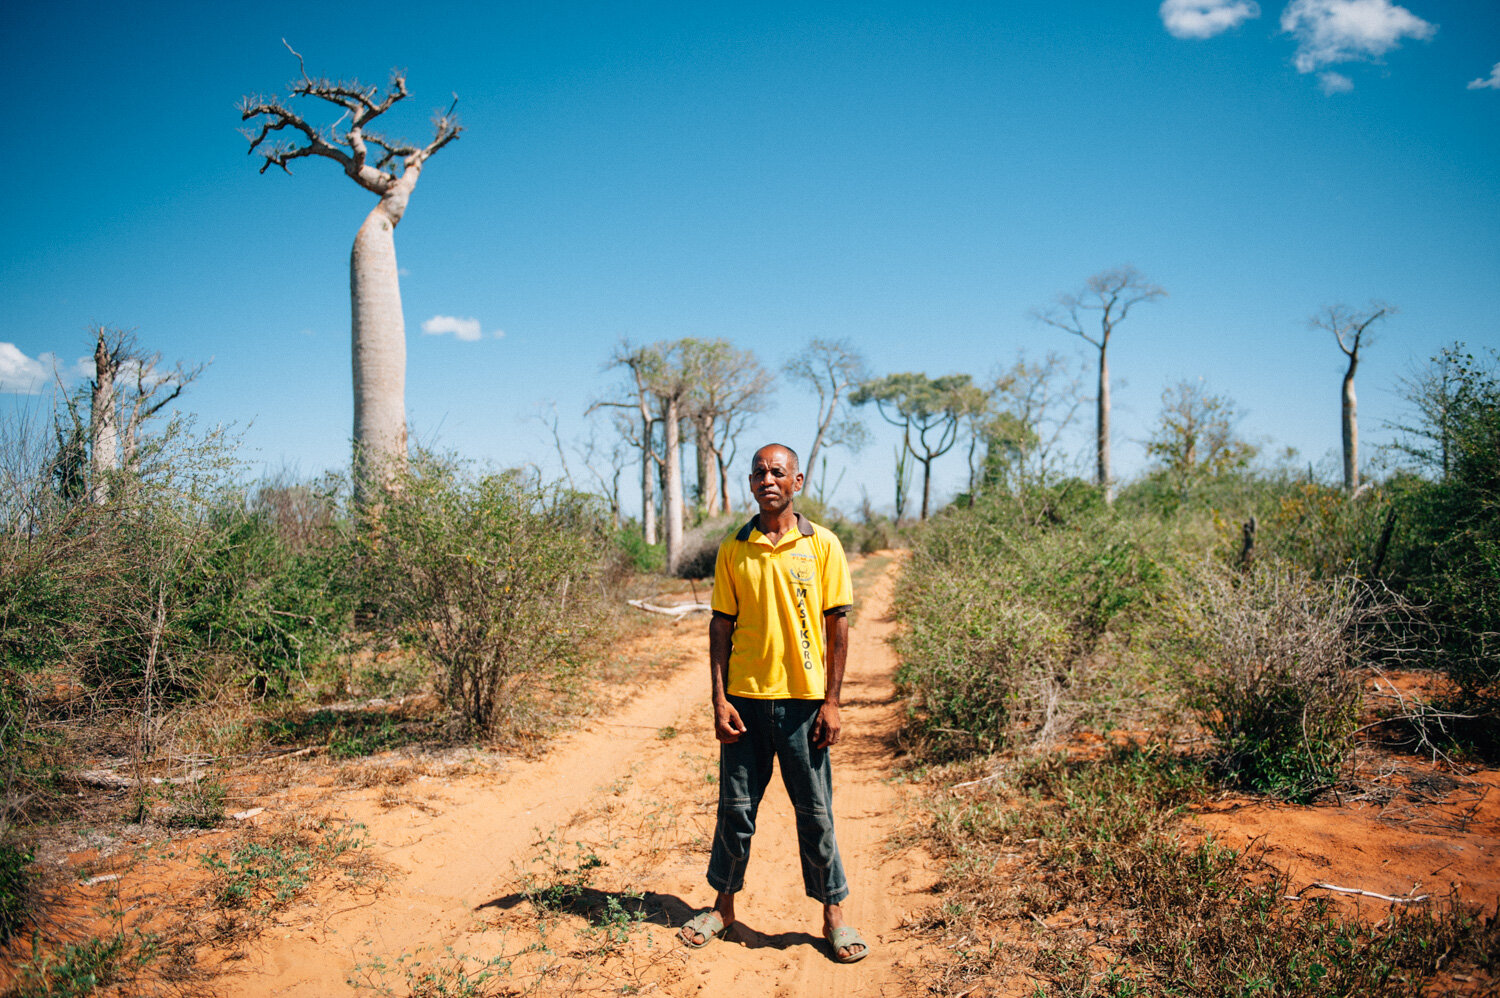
x=827, y=727
x=727, y=724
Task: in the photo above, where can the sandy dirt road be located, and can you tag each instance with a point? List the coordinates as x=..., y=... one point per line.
x=624, y=809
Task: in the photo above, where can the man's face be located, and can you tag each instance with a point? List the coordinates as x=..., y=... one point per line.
x=774, y=479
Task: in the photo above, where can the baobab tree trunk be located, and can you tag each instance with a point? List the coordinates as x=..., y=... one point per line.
x=672, y=420
x=378, y=334
x=648, y=498
x=1350, y=423
x=708, y=470
x=104, y=430
x=1102, y=472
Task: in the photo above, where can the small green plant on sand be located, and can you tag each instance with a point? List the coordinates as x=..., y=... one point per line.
x=564, y=875
x=450, y=974
x=264, y=876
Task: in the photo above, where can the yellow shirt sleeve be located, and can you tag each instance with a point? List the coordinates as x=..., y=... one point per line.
x=838, y=589
x=725, y=600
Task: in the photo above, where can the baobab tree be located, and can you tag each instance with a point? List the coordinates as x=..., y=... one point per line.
x=727, y=385
x=671, y=384
x=642, y=363
x=1351, y=330
x=833, y=369
x=388, y=169
x=1112, y=294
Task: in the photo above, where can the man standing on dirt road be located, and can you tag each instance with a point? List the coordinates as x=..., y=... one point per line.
x=776, y=649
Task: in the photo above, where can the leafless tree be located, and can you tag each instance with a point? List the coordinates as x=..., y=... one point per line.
x=388, y=169
x=642, y=364
x=104, y=428
x=606, y=462
x=1111, y=294
x=1351, y=330
x=833, y=369
x=129, y=387
x=1043, y=398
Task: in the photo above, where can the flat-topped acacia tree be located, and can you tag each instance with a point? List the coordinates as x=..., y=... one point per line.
x=388, y=169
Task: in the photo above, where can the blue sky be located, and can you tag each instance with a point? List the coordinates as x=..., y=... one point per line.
x=915, y=177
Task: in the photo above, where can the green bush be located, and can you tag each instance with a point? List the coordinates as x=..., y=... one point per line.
x=272, y=610
x=1009, y=607
x=639, y=555
x=492, y=579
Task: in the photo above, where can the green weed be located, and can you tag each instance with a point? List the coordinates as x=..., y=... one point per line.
x=450, y=974
x=78, y=969
x=264, y=876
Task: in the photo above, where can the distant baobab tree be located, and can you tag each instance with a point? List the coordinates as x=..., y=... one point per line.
x=389, y=169
x=1112, y=294
x=1351, y=330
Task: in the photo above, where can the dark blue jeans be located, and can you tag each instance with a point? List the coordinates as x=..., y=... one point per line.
x=777, y=729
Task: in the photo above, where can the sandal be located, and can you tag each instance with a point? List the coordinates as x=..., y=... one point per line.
x=707, y=924
x=846, y=937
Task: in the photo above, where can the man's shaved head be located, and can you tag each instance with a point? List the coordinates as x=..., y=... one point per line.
x=793, y=465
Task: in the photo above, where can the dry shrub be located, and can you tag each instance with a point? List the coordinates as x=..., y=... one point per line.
x=1268, y=671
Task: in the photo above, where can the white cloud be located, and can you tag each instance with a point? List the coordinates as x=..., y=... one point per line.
x=22, y=375
x=1205, y=18
x=1335, y=83
x=1333, y=31
x=1493, y=83
x=464, y=329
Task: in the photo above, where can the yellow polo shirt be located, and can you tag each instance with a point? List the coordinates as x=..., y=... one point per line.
x=777, y=595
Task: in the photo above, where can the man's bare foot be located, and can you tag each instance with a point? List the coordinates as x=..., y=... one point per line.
x=833, y=919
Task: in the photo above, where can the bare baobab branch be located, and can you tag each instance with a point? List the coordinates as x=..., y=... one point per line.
x=361, y=106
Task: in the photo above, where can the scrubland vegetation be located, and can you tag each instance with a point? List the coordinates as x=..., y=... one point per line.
x=1219, y=629
x=1216, y=620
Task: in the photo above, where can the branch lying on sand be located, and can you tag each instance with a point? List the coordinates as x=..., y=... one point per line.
x=678, y=611
x=1355, y=890
x=106, y=780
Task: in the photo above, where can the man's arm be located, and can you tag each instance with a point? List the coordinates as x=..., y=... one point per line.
x=727, y=724
x=836, y=642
